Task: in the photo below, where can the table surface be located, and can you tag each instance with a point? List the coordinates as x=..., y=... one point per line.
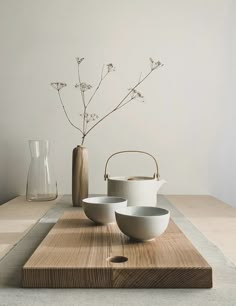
x=209, y=223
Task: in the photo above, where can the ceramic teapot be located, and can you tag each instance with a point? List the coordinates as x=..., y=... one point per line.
x=138, y=190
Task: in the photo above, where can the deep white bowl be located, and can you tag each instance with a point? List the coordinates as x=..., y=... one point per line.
x=101, y=210
x=142, y=222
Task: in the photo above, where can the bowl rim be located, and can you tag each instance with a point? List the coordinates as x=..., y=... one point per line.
x=121, y=211
x=89, y=199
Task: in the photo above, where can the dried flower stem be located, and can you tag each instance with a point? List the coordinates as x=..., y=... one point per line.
x=120, y=103
x=83, y=139
x=58, y=91
x=126, y=103
x=83, y=100
x=98, y=86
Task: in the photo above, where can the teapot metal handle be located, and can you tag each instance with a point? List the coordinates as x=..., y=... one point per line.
x=155, y=175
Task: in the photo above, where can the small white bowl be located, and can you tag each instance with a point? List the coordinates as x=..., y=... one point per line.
x=142, y=222
x=101, y=210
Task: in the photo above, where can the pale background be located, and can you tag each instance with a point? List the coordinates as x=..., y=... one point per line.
x=187, y=120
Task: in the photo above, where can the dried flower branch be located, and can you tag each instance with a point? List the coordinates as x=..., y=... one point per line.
x=87, y=118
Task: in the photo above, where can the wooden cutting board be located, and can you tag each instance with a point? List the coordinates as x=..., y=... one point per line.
x=78, y=254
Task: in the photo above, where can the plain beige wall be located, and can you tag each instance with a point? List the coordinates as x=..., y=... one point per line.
x=222, y=165
x=184, y=101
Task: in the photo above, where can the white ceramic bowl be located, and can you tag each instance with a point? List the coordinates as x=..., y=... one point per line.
x=101, y=210
x=142, y=222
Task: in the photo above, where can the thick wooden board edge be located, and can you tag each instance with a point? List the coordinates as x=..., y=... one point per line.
x=117, y=278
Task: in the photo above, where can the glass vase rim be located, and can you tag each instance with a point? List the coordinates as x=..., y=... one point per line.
x=38, y=140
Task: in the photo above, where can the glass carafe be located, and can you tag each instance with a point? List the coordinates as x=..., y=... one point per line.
x=41, y=183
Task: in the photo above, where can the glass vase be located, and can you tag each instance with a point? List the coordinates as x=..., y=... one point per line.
x=41, y=182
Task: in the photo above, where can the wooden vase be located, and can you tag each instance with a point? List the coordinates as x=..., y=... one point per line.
x=79, y=175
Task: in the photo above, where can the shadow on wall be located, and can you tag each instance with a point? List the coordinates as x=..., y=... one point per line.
x=223, y=165
x=6, y=199
x=12, y=161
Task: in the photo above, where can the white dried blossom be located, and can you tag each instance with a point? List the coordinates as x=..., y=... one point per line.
x=58, y=85
x=83, y=86
x=135, y=94
x=93, y=117
x=110, y=67
x=79, y=60
x=155, y=65
x=89, y=117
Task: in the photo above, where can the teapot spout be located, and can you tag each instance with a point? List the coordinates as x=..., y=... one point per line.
x=160, y=183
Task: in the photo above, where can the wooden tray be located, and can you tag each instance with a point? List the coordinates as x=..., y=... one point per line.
x=78, y=254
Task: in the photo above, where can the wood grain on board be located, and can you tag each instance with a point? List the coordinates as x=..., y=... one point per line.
x=79, y=254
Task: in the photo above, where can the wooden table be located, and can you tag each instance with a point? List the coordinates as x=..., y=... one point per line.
x=209, y=223
x=212, y=217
